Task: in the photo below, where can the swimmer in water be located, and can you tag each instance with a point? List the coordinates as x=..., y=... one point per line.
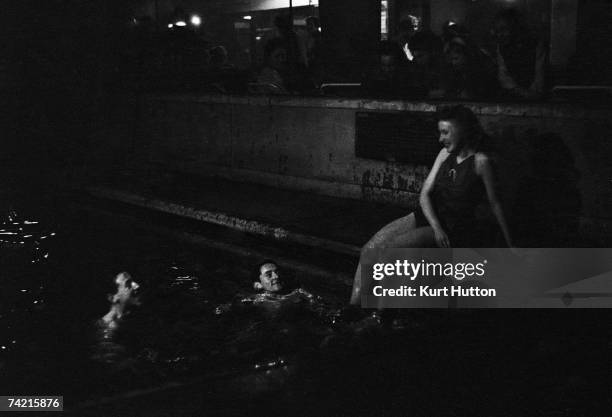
x=276, y=291
x=273, y=291
x=123, y=299
x=268, y=279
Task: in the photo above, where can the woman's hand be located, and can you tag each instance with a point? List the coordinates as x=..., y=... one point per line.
x=441, y=238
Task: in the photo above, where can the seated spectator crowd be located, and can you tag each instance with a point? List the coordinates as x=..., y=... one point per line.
x=453, y=66
x=418, y=64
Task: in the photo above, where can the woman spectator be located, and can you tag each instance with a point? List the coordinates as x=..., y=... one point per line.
x=521, y=59
x=424, y=71
x=389, y=77
x=464, y=74
x=274, y=72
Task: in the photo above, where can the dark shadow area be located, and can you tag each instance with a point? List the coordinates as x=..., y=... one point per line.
x=549, y=203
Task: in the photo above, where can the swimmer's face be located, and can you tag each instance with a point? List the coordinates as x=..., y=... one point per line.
x=450, y=136
x=269, y=279
x=124, y=280
x=121, y=279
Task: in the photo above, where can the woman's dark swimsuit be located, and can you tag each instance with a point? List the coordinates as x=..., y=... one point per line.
x=457, y=192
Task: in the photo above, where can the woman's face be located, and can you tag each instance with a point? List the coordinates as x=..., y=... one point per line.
x=450, y=136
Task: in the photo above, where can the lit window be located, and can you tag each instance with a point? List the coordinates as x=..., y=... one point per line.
x=384, y=20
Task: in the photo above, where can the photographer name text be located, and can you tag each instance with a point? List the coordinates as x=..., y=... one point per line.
x=427, y=291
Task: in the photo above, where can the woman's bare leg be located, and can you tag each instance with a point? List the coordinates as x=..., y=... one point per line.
x=400, y=233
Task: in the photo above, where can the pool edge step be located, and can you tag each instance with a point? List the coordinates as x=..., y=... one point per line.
x=236, y=249
x=222, y=219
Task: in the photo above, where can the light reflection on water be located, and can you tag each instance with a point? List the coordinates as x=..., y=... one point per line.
x=251, y=330
x=24, y=248
x=261, y=342
x=207, y=321
x=179, y=331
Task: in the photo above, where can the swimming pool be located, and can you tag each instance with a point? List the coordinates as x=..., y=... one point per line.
x=55, y=293
x=176, y=356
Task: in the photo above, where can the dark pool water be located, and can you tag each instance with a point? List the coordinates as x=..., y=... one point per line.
x=199, y=315
x=305, y=354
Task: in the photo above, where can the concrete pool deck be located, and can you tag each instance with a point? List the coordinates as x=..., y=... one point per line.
x=334, y=224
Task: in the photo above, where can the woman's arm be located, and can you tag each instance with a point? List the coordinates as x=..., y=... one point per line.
x=426, y=204
x=485, y=171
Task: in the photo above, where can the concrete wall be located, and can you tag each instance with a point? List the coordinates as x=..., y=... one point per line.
x=309, y=144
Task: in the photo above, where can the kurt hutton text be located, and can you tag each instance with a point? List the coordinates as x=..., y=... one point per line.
x=427, y=291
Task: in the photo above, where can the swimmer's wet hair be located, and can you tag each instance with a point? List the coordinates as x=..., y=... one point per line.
x=257, y=270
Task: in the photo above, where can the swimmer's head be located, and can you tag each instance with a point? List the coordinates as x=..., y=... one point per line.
x=124, y=280
x=268, y=278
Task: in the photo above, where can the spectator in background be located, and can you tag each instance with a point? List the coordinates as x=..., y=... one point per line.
x=273, y=74
x=521, y=58
x=464, y=74
x=296, y=55
x=424, y=70
x=221, y=76
x=219, y=58
x=405, y=30
x=388, y=78
x=451, y=30
x=313, y=43
x=296, y=75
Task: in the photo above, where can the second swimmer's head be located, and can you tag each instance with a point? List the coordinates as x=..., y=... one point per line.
x=268, y=278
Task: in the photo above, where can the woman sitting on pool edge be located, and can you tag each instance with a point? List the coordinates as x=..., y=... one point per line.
x=459, y=180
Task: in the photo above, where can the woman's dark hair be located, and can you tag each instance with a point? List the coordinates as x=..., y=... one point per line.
x=466, y=121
